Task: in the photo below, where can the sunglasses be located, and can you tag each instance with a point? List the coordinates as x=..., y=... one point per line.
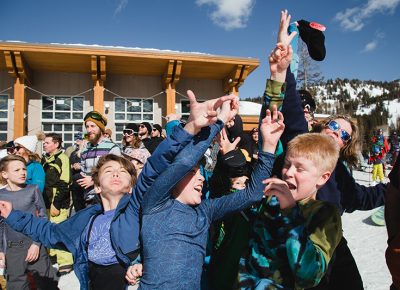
x=334, y=126
x=154, y=130
x=142, y=126
x=128, y=132
x=11, y=150
x=96, y=116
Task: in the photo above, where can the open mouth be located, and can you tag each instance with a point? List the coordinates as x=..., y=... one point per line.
x=291, y=185
x=198, y=188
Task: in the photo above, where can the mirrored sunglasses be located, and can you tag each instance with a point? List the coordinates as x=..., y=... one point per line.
x=334, y=126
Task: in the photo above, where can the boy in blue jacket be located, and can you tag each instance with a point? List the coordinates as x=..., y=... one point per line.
x=104, y=238
x=176, y=220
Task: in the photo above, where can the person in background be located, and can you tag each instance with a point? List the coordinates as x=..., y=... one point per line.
x=309, y=107
x=97, y=146
x=22, y=254
x=58, y=177
x=392, y=220
x=108, y=134
x=130, y=139
x=394, y=147
x=156, y=138
x=25, y=147
x=138, y=157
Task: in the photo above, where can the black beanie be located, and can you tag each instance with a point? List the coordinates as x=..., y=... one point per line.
x=148, y=126
x=314, y=39
x=132, y=126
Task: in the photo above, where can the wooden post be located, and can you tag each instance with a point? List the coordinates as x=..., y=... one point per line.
x=171, y=99
x=98, y=99
x=171, y=78
x=19, y=108
x=98, y=68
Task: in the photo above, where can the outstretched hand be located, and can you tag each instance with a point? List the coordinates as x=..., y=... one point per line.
x=271, y=129
x=283, y=36
x=205, y=114
x=5, y=208
x=280, y=58
x=224, y=144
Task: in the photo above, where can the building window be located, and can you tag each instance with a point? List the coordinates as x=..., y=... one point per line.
x=63, y=115
x=3, y=117
x=131, y=111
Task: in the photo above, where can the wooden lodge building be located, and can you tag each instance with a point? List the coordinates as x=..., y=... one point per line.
x=50, y=87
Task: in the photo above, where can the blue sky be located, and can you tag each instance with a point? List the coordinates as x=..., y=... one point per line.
x=362, y=36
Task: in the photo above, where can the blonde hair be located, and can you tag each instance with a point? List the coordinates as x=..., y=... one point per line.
x=348, y=152
x=321, y=149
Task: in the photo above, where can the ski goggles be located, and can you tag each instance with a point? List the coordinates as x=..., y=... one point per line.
x=128, y=132
x=334, y=126
x=96, y=116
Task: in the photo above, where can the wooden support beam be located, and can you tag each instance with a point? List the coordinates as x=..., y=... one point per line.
x=232, y=79
x=171, y=78
x=98, y=98
x=171, y=99
x=167, y=79
x=19, y=108
x=102, y=68
x=243, y=76
x=99, y=74
x=93, y=67
x=23, y=70
x=10, y=64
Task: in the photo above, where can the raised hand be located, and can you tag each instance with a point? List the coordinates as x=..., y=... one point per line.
x=204, y=114
x=280, y=58
x=224, y=144
x=271, y=129
x=283, y=36
x=5, y=208
x=279, y=188
x=229, y=108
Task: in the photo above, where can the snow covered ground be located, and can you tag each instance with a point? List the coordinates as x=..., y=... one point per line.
x=366, y=241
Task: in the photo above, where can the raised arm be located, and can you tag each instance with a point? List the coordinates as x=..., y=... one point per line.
x=201, y=115
x=190, y=155
x=271, y=129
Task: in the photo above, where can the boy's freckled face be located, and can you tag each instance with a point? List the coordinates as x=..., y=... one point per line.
x=302, y=177
x=114, y=179
x=188, y=190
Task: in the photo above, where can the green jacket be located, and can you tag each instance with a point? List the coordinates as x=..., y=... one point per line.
x=58, y=179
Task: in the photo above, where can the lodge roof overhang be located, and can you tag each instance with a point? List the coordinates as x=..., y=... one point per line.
x=124, y=61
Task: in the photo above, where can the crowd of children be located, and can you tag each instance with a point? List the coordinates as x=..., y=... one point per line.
x=174, y=213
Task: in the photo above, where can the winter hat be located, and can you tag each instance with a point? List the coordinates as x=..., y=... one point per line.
x=158, y=128
x=312, y=35
x=147, y=125
x=28, y=142
x=133, y=127
x=96, y=118
x=140, y=154
x=307, y=100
